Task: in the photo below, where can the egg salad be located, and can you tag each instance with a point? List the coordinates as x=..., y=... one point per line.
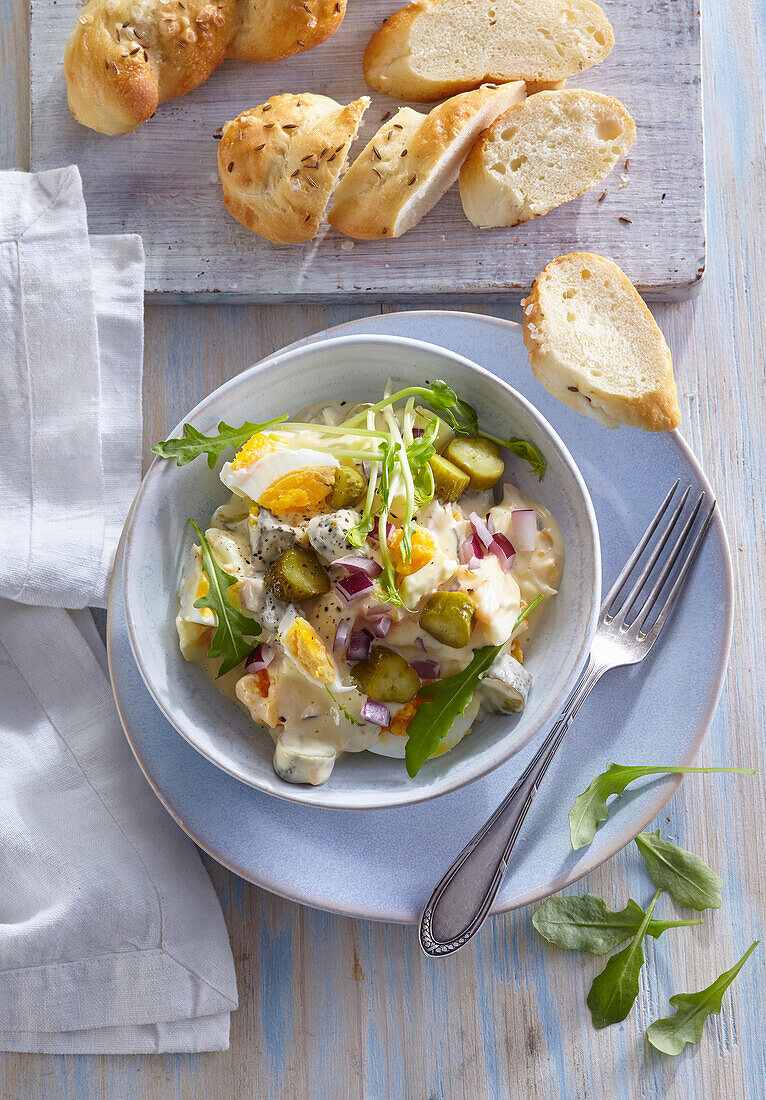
x=369, y=560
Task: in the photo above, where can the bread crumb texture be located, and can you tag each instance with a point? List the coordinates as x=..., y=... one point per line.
x=594, y=345
x=544, y=151
x=436, y=48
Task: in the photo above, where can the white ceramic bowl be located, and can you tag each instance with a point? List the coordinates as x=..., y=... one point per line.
x=158, y=535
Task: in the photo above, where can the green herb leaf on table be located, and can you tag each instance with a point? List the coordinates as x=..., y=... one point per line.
x=233, y=627
x=588, y=924
x=590, y=807
x=192, y=443
x=445, y=700
x=615, y=989
x=671, y=1034
x=686, y=877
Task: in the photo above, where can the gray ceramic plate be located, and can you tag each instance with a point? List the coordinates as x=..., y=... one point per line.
x=383, y=864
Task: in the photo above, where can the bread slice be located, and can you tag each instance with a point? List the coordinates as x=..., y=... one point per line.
x=437, y=48
x=411, y=161
x=280, y=162
x=270, y=30
x=541, y=153
x=595, y=346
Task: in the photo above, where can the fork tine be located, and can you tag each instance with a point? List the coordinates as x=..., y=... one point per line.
x=691, y=554
x=631, y=562
x=627, y=605
x=649, y=601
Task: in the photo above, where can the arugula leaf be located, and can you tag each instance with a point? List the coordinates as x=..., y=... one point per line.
x=229, y=638
x=590, y=808
x=588, y=924
x=193, y=443
x=443, y=701
x=615, y=989
x=671, y=1034
x=686, y=877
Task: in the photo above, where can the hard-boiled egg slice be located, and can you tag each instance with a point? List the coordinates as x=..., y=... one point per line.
x=281, y=478
x=194, y=584
x=306, y=649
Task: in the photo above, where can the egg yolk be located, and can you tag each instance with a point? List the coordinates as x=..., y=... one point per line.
x=423, y=547
x=403, y=717
x=256, y=448
x=300, y=491
x=308, y=650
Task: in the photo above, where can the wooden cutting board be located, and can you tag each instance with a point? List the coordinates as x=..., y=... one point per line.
x=162, y=181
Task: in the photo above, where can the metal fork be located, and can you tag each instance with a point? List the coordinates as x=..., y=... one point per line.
x=462, y=900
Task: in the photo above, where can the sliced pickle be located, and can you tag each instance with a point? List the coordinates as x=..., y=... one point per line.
x=477, y=457
x=348, y=490
x=386, y=677
x=297, y=575
x=450, y=482
x=450, y=618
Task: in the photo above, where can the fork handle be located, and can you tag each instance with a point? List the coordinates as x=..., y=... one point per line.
x=463, y=898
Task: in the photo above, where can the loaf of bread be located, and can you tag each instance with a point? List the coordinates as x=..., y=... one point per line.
x=594, y=345
x=411, y=161
x=280, y=162
x=124, y=57
x=543, y=152
x=437, y=48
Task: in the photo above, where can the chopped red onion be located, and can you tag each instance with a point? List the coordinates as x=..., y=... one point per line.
x=426, y=668
x=354, y=586
x=503, y=551
x=341, y=636
x=524, y=528
x=359, y=645
x=260, y=658
x=373, y=535
x=377, y=713
x=380, y=627
x=480, y=528
x=420, y=643
x=473, y=564
x=377, y=610
x=471, y=548
x=360, y=563
x=417, y=432
x=490, y=522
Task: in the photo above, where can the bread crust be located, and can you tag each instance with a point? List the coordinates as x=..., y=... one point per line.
x=125, y=57
x=392, y=64
x=404, y=166
x=279, y=162
x=653, y=404
x=504, y=180
x=271, y=30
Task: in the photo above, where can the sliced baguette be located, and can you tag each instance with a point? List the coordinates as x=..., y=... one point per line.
x=437, y=48
x=279, y=162
x=541, y=153
x=596, y=347
x=411, y=161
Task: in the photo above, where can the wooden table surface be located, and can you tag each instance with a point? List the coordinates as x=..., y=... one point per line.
x=332, y=1007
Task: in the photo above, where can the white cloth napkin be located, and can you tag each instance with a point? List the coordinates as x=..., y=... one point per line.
x=111, y=936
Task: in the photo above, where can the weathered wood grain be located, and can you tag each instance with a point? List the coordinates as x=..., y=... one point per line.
x=162, y=181
x=340, y=1008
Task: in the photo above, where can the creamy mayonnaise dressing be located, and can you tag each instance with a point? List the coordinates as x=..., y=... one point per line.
x=315, y=720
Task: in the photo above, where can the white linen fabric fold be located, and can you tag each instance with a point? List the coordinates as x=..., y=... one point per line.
x=111, y=936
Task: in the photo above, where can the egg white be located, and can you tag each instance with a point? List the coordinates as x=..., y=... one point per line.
x=253, y=480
